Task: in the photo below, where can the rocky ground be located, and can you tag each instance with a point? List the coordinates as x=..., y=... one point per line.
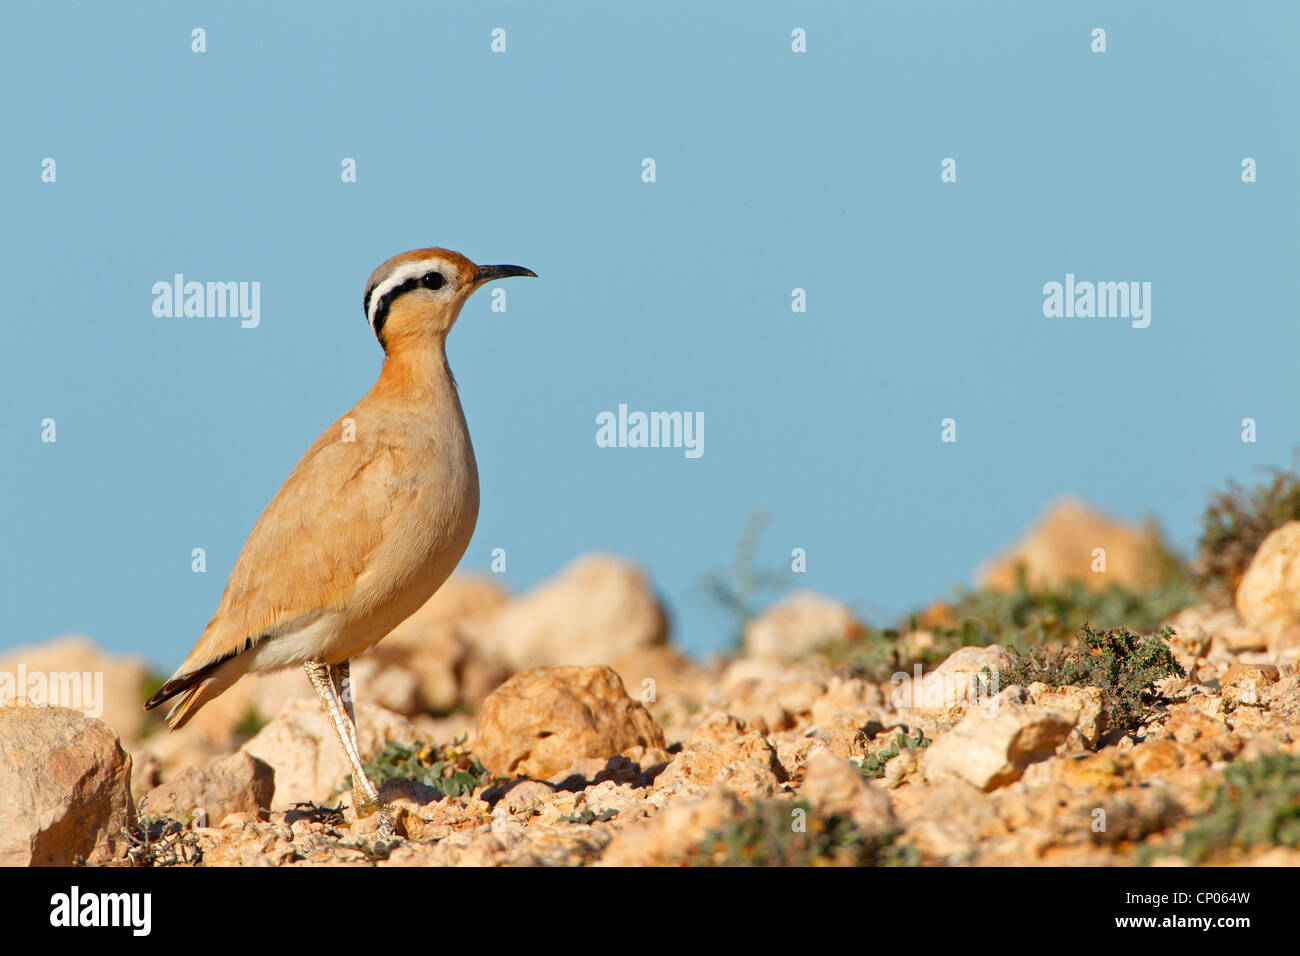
x=560, y=728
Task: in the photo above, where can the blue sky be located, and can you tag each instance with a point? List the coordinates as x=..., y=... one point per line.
x=774, y=171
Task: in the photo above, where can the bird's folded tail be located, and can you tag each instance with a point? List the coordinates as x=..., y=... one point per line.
x=196, y=688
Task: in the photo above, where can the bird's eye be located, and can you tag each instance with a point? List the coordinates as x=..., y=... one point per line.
x=433, y=280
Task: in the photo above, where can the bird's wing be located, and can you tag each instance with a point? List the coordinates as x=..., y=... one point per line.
x=307, y=549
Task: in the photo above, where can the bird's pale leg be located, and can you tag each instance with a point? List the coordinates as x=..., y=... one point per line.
x=341, y=676
x=363, y=791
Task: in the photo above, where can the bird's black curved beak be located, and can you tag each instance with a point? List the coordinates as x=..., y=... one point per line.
x=488, y=273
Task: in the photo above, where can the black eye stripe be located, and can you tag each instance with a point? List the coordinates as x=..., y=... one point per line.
x=430, y=280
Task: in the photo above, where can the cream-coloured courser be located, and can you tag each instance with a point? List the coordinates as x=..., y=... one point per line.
x=371, y=521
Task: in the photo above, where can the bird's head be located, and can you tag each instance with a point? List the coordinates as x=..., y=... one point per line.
x=419, y=294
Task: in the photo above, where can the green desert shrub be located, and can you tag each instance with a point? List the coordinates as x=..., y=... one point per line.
x=1027, y=617
x=1235, y=524
x=873, y=654
x=1125, y=666
x=1021, y=619
x=449, y=767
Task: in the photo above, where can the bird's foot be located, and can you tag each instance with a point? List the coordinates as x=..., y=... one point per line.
x=384, y=828
x=387, y=831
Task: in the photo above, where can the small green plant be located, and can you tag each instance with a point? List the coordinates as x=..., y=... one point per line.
x=1256, y=804
x=449, y=768
x=767, y=835
x=874, y=766
x=874, y=654
x=1020, y=620
x=1125, y=666
x=1235, y=524
x=738, y=591
x=1023, y=618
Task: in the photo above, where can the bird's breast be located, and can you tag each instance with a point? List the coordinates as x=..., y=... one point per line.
x=435, y=507
x=434, y=498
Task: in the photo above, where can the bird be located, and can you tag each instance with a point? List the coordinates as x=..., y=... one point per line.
x=369, y=524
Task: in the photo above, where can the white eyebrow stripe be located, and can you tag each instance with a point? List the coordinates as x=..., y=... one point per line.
x=409, y=270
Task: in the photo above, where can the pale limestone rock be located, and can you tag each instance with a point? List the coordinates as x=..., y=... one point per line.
x=1218, y=634
x=393, y=687
x=72, y=672
x=145, y=773
x=418, y=808
x=507, y=842
x=950, y=819
x=240, y=783
x=539, y=722
x=1188, y=723
x=301, y=746
x=747, y=765
x=65, y=788
x=627, y=802
x=799, y=623
x=1107, y=770
x=991, y=747
x=463, y=597
x=1088, y=702
x=436, y=659
x=1262, y=675
x=247, y=843
x=720, y=727
x=1277, y=857
x=842, y=737
x=901, y=769
x=596, y=610
x=794, y=749
x=957, y=684
x=1268, y=597
x=1193, y=631
x=667, y=837
x=561, y=803
x=847, y=699
x=770, y=693
x=1059, y=548
x=1244, y=684
x=526, y=796
x=834, y=786
x=671, y=685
